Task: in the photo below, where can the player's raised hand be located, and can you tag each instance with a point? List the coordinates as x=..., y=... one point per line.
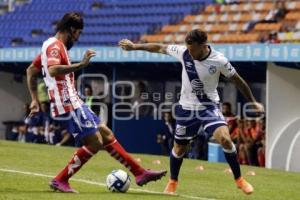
x=34, y=108
x=87, y=56
x=126, y=44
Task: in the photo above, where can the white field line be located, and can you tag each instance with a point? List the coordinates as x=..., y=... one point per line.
x=102, y=184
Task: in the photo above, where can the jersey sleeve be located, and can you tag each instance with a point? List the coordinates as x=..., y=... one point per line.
x=176, y=51
x=54, y=55
x=37, y=62
x=226, y=68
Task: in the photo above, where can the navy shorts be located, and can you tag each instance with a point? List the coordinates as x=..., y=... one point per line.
x=80, y=122
x=189, y=123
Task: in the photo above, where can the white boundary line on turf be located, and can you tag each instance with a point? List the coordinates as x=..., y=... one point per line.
x=102, y=184
x=290, y=151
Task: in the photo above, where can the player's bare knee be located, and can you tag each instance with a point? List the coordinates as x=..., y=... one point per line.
x=225, y=142
x=106, y=134
x=221, y=132
x=94, y=144
x=179, y=150
x=104, y=131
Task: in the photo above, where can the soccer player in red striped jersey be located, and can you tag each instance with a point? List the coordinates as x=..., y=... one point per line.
x=82, y=123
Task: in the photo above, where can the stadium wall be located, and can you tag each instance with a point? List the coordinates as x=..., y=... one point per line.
x=143, y=130
x=13, y=95
x=283, y=118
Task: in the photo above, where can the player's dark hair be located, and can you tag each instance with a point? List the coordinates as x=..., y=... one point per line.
x=71, y=19
x=196, y=36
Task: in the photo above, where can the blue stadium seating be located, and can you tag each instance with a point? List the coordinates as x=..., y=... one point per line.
x=106, y=25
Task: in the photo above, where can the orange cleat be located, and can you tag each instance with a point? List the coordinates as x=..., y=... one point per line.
x=171, y=187
x=244, y=185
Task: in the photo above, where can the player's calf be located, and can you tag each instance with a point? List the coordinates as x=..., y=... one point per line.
x=80, y=157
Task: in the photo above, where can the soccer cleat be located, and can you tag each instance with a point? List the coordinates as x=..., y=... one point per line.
x=244, y=185
x=171, y=187
x=61, y=186
x=149, y=175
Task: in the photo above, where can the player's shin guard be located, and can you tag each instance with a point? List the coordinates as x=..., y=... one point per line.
x=81, y=156
x=231, y=158
x=115, y=149
x=175, y=165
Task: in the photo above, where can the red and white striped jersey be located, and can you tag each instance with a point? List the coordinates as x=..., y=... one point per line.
x=61, y=90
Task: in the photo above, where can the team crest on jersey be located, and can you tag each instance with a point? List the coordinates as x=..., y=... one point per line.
x=88, y=124
x=212, y=69
x=54, y=53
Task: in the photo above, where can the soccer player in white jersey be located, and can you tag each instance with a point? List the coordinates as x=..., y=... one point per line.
x=81, y=122
x=198, y=104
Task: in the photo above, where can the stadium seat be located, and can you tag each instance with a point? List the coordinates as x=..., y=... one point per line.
x=294, y=15
x=104, y=25
x=234, y=23
x=269, y=27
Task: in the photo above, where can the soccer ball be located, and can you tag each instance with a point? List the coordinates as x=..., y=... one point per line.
x=118, y=181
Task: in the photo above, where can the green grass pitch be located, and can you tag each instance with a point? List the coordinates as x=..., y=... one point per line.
x=25, y=170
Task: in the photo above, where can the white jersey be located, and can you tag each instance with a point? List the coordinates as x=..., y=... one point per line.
x=208, y=73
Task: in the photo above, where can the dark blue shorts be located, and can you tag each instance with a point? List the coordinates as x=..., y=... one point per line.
x=189, y=123
x=80, y=122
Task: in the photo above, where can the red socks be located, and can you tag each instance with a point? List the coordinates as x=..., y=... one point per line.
x=81, y=156
x=118, y=152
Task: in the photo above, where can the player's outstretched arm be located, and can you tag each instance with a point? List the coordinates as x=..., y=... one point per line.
x=32, y=74
x=55, y=70
x=128, y=45
x=246, y=91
